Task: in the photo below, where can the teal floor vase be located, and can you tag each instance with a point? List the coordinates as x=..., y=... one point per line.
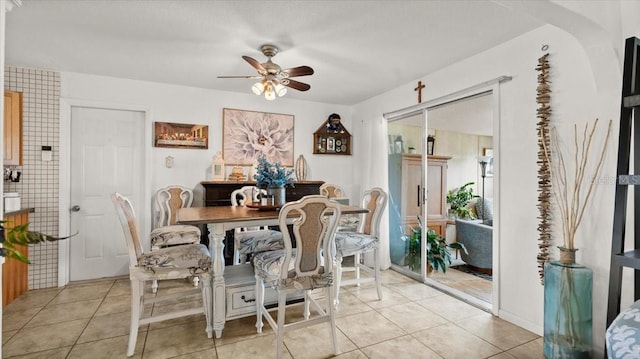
x=567, y=310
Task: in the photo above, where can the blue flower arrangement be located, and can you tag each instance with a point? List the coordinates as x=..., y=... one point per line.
x=272, y=174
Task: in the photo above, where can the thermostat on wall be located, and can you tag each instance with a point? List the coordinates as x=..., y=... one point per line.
x=47, y=153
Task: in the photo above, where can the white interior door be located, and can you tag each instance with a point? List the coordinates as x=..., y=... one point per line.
x=106, y=156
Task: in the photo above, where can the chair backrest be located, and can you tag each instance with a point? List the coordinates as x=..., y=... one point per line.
x=167, y=202
x=314, y=226
x=331, y=190
x=246, y=194
x=375, y=200
x=127, y=217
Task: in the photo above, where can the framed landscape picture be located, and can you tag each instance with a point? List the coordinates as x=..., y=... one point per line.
x=247, y=134
x=181, y=135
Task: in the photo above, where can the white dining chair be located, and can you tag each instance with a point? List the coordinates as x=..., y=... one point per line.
x=250, y=240
x=166, y=232
x=348, y=222
x=366, y=239
x=167, y=263
x=308, y=266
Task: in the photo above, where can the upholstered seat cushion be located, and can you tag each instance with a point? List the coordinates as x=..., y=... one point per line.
x=173, y=262
x=174, y=234
x=269, y=264
x=259, y=241
x=350, y=243
x=623, y=335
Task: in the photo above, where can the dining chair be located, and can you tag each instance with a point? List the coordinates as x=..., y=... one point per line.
x=331, y=190
x=250, y=240
x=162, y=264
x=307, y=266
x=366, y=239
x=348, y=222
x=166, y=232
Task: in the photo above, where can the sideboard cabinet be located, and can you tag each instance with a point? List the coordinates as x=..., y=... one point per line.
x=218, y=193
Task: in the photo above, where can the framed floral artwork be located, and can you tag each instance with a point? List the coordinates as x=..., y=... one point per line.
x=247, y=134
x=181, y=135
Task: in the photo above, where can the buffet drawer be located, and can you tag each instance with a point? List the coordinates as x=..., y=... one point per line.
x=241, y=301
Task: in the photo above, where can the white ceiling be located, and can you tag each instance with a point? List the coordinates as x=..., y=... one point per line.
x=358, y=49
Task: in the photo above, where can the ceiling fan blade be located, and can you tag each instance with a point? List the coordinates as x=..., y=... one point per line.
x=299, y=71
x=256, y=64
x=240, y=77
x=297, y=85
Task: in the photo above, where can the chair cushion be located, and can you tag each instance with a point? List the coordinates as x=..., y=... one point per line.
x=174, y=234
x=259, y=241
x=268, y=265
x=350, y=243
x=173, y=262
x=348, y=222
x=623, y=335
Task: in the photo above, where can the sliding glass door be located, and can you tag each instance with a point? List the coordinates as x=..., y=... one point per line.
x=406, y=192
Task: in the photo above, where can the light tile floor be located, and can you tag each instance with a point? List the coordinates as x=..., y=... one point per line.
x=91, y=319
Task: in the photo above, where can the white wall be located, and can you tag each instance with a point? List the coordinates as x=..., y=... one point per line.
x=574, y=91
x=179, y=104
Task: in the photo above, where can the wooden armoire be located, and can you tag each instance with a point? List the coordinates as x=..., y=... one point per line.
x=410, y=176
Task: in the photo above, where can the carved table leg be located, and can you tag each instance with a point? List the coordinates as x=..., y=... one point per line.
x=216, y=246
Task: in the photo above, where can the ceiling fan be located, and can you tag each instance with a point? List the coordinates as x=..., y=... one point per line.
x=273, y=78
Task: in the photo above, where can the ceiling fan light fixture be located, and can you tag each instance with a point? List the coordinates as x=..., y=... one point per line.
x=258, y=88
x=280, y=90
x=269, y=94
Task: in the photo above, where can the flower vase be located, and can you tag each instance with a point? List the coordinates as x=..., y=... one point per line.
x=279, y=195
x=567, y=308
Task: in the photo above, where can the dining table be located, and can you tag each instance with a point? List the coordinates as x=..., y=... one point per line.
x=218, y=220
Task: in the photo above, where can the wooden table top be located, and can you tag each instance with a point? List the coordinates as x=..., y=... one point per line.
x=227, y=214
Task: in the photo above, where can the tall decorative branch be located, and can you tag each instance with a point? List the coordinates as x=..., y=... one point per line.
x=544, y=172
x=571, y=180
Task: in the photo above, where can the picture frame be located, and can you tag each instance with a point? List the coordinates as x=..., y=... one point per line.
x=180, y=135
x=247, y=134
x=489, y=152
x=331, y=144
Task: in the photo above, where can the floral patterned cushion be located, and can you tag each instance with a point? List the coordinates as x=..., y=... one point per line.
x=259, y=241
x=269, y=264
x=174, y=234
x=350, y=243
x=623, y=335
x=173, y=262
x=348, y=222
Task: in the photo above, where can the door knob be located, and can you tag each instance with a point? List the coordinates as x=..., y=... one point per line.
x=75, y=208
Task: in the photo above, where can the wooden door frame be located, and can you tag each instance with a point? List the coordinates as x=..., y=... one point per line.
x=64, y=219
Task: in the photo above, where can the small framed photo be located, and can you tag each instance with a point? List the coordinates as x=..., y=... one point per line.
x=331, y=144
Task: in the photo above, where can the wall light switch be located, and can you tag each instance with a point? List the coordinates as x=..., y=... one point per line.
x=47, y=153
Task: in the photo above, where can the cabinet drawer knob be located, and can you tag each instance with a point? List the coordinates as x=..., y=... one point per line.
x=247, y=300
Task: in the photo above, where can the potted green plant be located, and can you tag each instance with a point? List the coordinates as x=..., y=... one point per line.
x=20, y=235
x=438, y=254
x=458, y=198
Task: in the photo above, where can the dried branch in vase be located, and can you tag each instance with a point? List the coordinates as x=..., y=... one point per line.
x=544, y=173
x=573, y=184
